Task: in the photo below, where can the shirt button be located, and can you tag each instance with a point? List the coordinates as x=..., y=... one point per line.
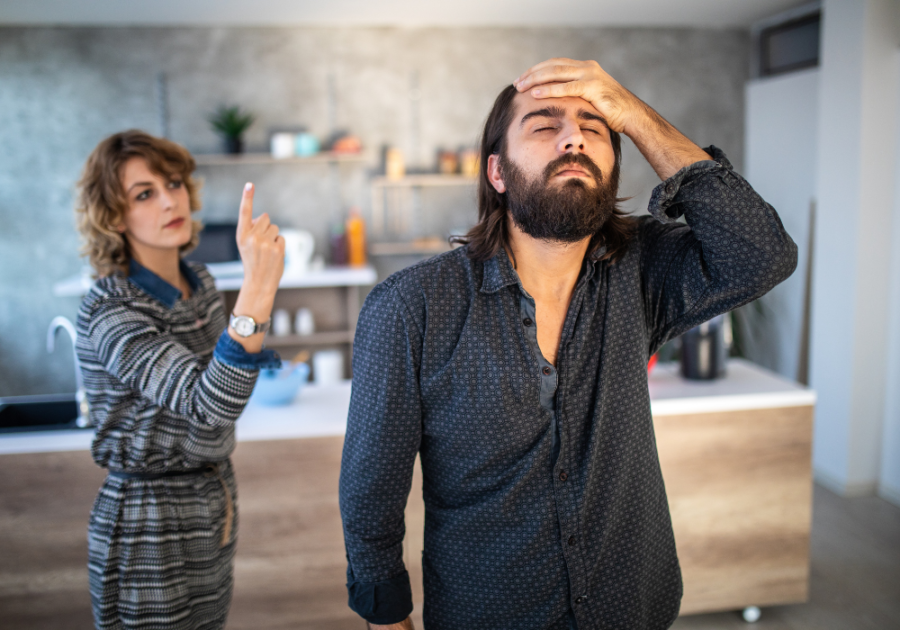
x=571, y=540
x=547, y=370
x=581, y=599
x=563, y=475
x=527, y=321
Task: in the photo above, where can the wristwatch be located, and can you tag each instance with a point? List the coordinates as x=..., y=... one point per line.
x=246, y=326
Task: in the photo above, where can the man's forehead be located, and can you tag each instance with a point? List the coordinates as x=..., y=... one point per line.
x=525, y=103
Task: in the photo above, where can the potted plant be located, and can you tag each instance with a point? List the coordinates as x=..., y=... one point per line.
x=231, y=123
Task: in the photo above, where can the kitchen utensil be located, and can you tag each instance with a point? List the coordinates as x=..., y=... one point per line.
x=281, y=323
x=282, y=144
x=280, y=387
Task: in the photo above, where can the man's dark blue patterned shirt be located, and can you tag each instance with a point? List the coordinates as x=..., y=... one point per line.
x=544, y=500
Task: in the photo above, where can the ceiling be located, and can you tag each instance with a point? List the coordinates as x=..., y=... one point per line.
x=653, y=13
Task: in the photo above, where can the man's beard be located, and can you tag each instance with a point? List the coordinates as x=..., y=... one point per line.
x=568, y=212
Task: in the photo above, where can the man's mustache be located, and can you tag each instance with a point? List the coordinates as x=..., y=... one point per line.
x=573, y=159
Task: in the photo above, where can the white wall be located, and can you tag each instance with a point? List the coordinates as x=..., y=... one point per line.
x=857, y=131
x=889, y=482
x=780, y=163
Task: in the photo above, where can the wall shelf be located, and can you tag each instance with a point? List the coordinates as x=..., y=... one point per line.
x=326, y=157
x=324, y=338
x=425, y=179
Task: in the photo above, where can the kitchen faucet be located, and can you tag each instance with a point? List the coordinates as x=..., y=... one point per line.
x=83, y=419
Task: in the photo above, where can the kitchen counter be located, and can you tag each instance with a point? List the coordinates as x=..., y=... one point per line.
x=322, y=411
x=317, y=411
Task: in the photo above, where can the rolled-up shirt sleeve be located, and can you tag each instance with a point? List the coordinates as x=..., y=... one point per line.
x=383, y=436
x=732, y=249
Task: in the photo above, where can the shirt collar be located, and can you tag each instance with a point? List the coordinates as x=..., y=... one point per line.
x=158, y=288
x=499, y=272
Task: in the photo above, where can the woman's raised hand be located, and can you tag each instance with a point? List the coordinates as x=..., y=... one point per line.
x=262, y=252
x=262, y=249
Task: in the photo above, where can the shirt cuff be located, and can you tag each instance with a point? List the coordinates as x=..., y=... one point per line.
x=382, y=603
x=664, y=202
x=230, y=352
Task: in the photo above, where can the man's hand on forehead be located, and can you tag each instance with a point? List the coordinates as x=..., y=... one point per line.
x=583, y=79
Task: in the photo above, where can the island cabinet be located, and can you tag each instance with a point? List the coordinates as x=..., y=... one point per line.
x=736, y=460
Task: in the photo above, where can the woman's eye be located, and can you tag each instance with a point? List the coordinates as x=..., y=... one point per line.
x=143, y=195
x=545, y=129
x=175, y=183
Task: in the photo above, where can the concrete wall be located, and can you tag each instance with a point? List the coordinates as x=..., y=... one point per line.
x=63, y=89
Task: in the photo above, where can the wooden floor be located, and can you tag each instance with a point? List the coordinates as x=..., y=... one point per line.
x=290, y=568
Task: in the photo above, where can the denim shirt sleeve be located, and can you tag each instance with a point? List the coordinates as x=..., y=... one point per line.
x=230, y=352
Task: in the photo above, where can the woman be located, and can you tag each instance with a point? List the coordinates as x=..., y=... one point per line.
x=167, y=374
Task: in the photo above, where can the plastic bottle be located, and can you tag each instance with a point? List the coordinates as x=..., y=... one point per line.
x=338, y=244
x=356, y=239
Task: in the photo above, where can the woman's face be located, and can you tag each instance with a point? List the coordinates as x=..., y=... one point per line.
x=159, y=213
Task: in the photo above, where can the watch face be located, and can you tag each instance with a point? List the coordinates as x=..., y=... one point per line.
x=244, y=326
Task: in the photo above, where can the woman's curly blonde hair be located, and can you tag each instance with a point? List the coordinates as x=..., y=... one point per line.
x=102, y=201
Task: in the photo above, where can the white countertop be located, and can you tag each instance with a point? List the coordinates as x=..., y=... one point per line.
x=322, y=410
x=230, y=276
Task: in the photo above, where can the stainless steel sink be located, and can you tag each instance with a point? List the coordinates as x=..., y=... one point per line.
x=38, y=413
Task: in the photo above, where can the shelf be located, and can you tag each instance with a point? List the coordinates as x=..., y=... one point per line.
x=327, y=277
x=325, y=338
x=325, y=157
x=423, y=247
x=232, y=280
x=428, y=179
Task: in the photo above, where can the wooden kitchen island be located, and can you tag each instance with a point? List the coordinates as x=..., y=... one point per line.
x=735, y=456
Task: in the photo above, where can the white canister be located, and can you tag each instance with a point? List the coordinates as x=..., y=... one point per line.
x=328, y=367
x=282, y=144
x=304, y=324
x=281, y=323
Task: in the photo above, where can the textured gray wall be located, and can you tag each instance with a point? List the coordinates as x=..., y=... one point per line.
x=64, y=89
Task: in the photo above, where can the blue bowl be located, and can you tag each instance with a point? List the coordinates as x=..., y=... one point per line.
x=279, y=387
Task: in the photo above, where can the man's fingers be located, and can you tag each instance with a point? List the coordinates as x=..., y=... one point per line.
x=550, y=71
x=556, y=90
x=245, y=214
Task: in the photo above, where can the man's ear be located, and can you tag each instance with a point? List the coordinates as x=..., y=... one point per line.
x=493, y=173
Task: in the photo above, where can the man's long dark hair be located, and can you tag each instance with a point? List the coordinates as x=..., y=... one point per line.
x=492, y=232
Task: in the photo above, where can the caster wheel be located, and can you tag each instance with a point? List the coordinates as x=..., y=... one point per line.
x=751, y=614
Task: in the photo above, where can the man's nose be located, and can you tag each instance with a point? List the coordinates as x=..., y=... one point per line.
x=571, y=140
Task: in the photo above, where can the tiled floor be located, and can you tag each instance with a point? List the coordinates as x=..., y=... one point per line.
x=290, y=568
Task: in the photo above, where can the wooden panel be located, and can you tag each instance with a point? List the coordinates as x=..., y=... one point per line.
x=740, y=493
x=44, y=508
x=290, y=569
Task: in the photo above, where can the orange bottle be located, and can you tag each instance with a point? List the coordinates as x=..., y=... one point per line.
x=356, y=239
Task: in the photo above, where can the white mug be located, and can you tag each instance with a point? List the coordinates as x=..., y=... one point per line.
x=298, y=251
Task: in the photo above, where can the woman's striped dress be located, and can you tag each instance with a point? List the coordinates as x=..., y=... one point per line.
x=165, y=385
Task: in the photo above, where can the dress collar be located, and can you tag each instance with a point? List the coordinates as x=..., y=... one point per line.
x=158, y=288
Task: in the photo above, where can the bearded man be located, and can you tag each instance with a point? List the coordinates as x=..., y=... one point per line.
x=516, y=367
